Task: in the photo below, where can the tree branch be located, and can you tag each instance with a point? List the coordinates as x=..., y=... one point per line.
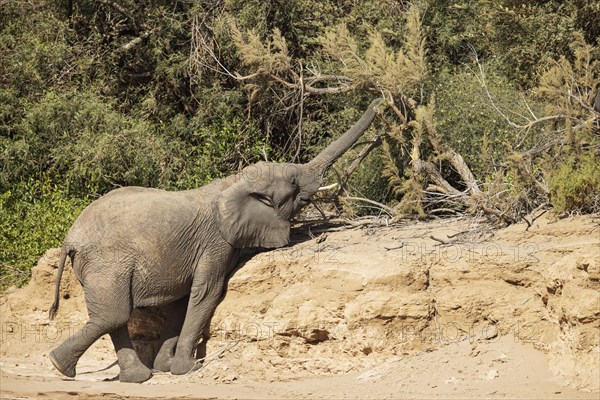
x=359, y=159
x=428, y=170
x=463, y=170
x=136, y=41
x=383, y=207
x=117, y=7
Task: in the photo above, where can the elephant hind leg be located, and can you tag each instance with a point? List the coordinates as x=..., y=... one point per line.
x=65, y=357
x=107, y=314
x=132, y=369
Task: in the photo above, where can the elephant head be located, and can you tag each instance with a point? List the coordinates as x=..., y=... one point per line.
x=257, y=208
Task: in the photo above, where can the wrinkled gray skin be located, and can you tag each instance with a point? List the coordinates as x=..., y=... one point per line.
x=140, y=247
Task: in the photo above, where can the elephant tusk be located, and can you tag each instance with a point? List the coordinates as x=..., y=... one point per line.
x=328, y=187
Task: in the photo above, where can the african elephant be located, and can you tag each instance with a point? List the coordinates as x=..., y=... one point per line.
x=141, y=247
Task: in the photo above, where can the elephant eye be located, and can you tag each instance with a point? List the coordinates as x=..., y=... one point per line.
x=294, y=182
x=263, y=199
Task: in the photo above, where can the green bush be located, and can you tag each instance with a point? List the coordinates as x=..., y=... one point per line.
x=92, y=97
x=217, y=150
x=522, y=37
x=35, y=217
x=470, y=124
x=575, y=185
x=85, y=144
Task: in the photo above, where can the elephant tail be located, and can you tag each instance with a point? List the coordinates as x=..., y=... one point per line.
x=64, y=252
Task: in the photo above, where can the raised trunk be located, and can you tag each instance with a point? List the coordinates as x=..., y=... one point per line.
x=327, y=157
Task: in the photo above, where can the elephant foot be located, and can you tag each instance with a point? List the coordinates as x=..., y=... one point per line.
x=137, y=374
x=132, y=369
x=182, y=366
x=63, y=363
x=162, y=361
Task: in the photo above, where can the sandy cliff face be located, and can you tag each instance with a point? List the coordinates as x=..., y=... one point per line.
x=359, y=296
x=374, y=301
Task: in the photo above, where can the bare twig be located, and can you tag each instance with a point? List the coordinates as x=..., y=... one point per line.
x=383, y=207
x=529, y=122
x=136, y=41
x=530, y=222
x=456, y=234
x=394, y=248
x=442, y=241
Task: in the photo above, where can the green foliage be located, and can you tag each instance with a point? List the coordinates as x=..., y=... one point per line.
x=575, y=185
x=96, y=95
x=32, y=62
x=521, y=37
x=35, y=217
x=565, y=84
x=394, y=71
x=85, y=144
x=471, y=124
x=217, y=150
x=573, y=173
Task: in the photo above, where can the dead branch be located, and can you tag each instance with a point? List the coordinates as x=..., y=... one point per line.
x=341, y=224
x=399, y=113
x=541, y=148
x=383, y=207
x=394, y=248
x=444, y=210
x=442, y=150
x=442, y=241
x=530, y=123
x=359, y=159
x=324, y=78
x=500, y=216
x=136, y=41
x=533, y=218
x=452, y=236
x=305, y=84
x=463, y=170
x=428, y=170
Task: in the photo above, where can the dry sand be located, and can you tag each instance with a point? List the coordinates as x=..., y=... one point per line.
x=444, y=309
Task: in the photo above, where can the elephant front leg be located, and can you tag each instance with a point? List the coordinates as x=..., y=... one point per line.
x=164, y=357
x=204, y=298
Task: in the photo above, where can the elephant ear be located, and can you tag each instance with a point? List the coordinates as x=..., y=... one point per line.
x=246, y=218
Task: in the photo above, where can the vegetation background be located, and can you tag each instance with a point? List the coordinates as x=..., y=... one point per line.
x=489, y=104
